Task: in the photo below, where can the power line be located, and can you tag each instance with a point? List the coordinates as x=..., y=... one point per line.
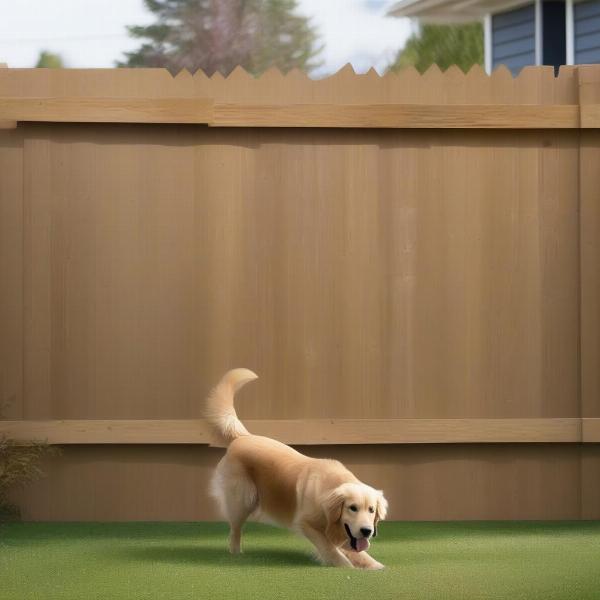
x=70, y=38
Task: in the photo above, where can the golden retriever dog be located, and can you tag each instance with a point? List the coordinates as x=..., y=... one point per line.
x=262, y=478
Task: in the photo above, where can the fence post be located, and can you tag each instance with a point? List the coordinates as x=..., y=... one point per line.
x=11, y=269
x=589, y=240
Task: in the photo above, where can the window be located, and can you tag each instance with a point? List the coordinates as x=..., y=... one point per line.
x=554, y=45
x=586, y=31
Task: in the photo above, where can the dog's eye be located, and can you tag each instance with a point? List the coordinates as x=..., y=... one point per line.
x=353, y=508
x=371, y=509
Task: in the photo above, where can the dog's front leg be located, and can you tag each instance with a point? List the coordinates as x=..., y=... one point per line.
x=328, y=553
x=361, y=560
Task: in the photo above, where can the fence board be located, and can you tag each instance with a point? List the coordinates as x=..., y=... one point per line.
x=202, y=111
x=11, y=274
x=416, y=116
x=589, y=92
x=107, y=110
x=590, y=116
x=589, y=88
x=308, y=431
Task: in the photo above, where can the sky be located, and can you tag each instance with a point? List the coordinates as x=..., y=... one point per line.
x=92, y=33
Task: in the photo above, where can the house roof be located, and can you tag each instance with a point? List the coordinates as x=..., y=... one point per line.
x=451, y=11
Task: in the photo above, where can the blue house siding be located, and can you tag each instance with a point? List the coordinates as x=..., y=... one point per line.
x=513, y=38
x=586, y=30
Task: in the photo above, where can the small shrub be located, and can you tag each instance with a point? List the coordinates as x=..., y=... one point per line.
x=19, y=464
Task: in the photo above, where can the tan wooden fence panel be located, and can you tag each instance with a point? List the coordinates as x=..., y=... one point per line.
x=378, y=249
x=157, y=259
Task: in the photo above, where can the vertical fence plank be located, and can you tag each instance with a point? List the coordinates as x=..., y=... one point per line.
x=37, y=277
x=11, y=274
x=589, y=175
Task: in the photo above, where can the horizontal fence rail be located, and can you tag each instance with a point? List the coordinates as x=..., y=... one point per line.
x=215, y=114
x=400, y=116
x=106, y=110
x=312, y=431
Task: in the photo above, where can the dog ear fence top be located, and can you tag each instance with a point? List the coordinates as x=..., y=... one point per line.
x=535, y=99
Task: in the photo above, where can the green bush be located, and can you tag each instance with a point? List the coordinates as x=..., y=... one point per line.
x=19, y=464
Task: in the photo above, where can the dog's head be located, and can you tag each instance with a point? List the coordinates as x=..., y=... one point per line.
x=353, y=511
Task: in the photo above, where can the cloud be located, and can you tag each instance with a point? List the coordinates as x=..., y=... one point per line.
x=356, y=31
x=88, y=33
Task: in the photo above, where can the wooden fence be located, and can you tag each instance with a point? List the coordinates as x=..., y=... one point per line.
x=410, y=263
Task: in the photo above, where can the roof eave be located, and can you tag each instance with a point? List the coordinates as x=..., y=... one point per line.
x=451, y=11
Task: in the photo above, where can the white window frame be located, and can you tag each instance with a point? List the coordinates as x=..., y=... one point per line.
x=570, y=32
x=539, y=33
x=487, y=43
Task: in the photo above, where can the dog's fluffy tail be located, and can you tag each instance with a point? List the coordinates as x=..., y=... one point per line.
x=219, y=410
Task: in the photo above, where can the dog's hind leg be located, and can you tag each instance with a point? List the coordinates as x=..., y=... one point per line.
x=238, y=498
x=237, y=517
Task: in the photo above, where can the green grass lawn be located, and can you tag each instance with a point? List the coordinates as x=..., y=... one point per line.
x=513, y=560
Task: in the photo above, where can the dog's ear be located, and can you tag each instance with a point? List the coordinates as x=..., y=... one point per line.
x=381, y=511
x=333, y=505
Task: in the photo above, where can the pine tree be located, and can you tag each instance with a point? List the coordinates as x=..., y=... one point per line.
x=218, y=35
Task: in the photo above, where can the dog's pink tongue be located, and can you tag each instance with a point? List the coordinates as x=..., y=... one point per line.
x=362, y=544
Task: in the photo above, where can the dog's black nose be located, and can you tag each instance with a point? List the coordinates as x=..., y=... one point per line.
x=366, y=531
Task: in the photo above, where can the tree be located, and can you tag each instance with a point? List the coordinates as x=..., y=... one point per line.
x=218, y=35
x=48, y=60
x=443, y=45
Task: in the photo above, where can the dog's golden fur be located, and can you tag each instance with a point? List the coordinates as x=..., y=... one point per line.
x=268, y=480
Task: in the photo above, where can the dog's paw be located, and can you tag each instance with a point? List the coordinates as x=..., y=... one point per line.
x=375, y=566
